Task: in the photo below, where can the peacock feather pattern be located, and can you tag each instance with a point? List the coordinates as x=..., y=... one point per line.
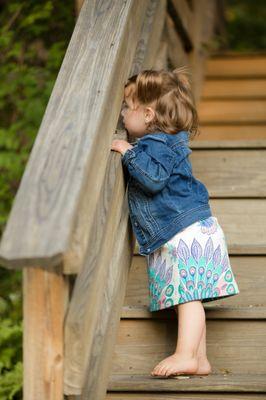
x=179, y=272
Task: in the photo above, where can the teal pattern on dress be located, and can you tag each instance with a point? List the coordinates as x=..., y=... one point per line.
x=204, y=272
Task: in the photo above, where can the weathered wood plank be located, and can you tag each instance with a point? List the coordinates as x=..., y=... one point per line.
x=244, y=224
x=244, y=66
x=141, y=344
x=231, y=136
x=202, y=25
x=228, y=144
x=182, y=16
x=45, y=299
x=232, y=111
x=212, y=312
x=145, y=55
x=177, y=55
x=231, y=173
x=234, y=89
x=161, y=61
x=71, y=150
x=176, y=396
x=237, y=216
x=96, y=374
x=223, y=382
x=96, y=281
x=151, y=35
x=92, y=319
x=119, y=383
x=247, y=301
x=161, y=56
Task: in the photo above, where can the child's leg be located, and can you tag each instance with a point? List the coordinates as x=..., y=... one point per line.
x=204, y=367
x=191, y=321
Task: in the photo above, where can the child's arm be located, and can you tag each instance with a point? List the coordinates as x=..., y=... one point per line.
x=150, y=162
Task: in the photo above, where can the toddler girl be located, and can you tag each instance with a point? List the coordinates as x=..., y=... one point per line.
x=184, y=245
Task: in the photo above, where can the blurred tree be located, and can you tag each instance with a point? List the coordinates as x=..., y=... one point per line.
x=245, y=25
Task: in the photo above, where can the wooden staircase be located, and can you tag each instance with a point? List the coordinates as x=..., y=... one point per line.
x=230, y=158
x=69, y=228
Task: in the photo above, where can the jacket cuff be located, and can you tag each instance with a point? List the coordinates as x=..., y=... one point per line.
x=127, y=156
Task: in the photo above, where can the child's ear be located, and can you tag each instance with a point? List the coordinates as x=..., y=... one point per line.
x=149, y=114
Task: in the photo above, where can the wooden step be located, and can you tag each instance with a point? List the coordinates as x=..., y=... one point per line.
x=248, y=303
x=230, y=136
x=231, y=173
x=237, y=112
x=182, y=395
x=234, y=89
x=223, y=382
x=211, y=311
x=238, y=66
x=234, y=345
x=243, y=222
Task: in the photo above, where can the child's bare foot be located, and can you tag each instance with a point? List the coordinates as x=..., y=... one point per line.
x=204, y=367
x=176, y=364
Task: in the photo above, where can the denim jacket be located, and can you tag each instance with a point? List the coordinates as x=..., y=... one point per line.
x=163, y=195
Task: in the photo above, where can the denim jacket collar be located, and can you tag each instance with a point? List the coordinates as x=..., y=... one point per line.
x=181, y=136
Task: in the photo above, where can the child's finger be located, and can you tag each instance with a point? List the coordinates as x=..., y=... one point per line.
x=115, y=145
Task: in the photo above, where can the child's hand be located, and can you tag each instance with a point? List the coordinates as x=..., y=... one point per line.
x=121, y=146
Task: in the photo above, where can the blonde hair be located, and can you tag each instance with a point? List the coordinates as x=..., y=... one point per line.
x=169, y=92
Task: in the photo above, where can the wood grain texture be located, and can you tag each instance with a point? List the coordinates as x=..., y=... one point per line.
x=234, y=89
x=230, y=136
x=231, y=173
x=244, y=66
x=92, y=318
x=182, y=395
x=182, y=15
x=95, y=283
x=232, y=345
x=232, y=112
x=244, y=224
x=161, y=60
x=145, y=54
x=151, y=35
x=246, y=384
x=177, y=55
x=45, y=300
x=72, y=147
x=97, y=371
x=202, y=28
x=212, y=312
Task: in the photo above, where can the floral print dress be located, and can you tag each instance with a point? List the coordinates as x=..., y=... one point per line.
x=192, y=265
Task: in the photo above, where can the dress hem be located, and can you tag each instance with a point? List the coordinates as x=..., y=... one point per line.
x=203, y=300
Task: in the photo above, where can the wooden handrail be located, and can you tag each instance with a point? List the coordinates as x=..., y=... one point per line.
x=68, y=161
x=92, y=319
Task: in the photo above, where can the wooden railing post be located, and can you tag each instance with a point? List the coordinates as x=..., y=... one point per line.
x=45, y=300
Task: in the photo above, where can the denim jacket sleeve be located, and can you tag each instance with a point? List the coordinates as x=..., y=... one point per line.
x=150, y=162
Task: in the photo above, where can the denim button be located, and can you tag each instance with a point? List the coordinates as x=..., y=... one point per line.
x=135, y=223
x=148, y=249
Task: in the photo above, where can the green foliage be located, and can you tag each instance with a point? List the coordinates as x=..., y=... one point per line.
x=10, y=353
x=10, y=335
x=245, y=27
x=34, y=35
x=33, y=40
